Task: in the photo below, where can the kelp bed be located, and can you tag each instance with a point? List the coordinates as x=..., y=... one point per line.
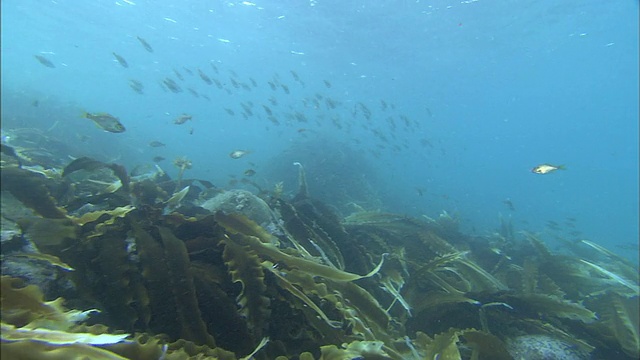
x=167, y=279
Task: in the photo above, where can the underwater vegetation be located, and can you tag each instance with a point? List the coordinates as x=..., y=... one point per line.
x=105, y=264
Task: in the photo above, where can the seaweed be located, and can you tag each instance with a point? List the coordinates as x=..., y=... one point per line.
x=181, y=284
x=31, y=189
x=245, y=268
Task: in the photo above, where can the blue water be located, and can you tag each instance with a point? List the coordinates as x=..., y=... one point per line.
x=494, y=87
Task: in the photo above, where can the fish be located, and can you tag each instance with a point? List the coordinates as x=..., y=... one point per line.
x=182, y=119
x=44, y=61
x=136, y=86
x=121, y=60
x=237, y=154
x=547, y=168
x=105, y=121
x=145, y=44
x=158, y=158
x=249, y=172
x=156, y=143
x=509, y=204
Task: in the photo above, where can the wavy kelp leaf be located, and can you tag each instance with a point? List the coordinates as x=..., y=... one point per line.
x=355, y=350
x=245, y=268
x=444, y=346
x=311, y=238
x=485, y=345
x=118, y=212
x=539, y=245
x=30, y=188
x=551, y=306
x=184, y=293
x=359, y=302
x=312, y=267
x=240, y=224
x=9, y=151
x=48, y=232
x=89, y=164
x=48, y=258
x=435, y=243
x=622, y=318
x=56, y=337
x=119, y=286
x=617, y=279
x=303, y=189
x=41, y=350
x=160, y=306
x=23, y=305
x=427, y=300
x=479, y=278
x=285, y=284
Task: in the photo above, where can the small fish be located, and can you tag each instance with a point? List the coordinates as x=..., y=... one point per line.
x=249, y=172
x=547, y=168
x=145, y=44
x=156, y=143
x=44, y=61
x=136, y=86
x=509, y=204
x=237, y=154
x=121, y=60
x=158, y=158
x=182, y=119
x=106, y=122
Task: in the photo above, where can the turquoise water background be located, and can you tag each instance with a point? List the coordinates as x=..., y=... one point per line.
x=493, y=88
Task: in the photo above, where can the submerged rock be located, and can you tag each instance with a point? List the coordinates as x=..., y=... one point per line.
x=242, y=202
x=543, y=347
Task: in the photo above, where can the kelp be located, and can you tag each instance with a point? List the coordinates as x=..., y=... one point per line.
x=24, y=305
x=621, y=316
x=549, y=305
x=284, y=283
x=245, y=268
x=57, y=337
x=47, y=258
x=355, y=350
x=240, y=224
x=315, y=268
x=31, y=189
x=181, y=283
x=444, y=346
x=89, y=164
x=118, y=212
x=45, y=232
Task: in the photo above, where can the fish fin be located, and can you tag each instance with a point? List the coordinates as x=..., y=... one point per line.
x=562, y=167
x=84, y=114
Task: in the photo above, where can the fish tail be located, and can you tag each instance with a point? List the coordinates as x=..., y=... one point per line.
x=562, y=167
x=84, y=114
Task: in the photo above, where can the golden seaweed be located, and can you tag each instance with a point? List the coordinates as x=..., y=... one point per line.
x=31, y=189
x=184, y=293
x=315, y=268
x=48, y=258
x=245, y=268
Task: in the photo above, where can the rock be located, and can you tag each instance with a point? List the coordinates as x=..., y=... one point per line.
x=543, y=347
x=243, y=202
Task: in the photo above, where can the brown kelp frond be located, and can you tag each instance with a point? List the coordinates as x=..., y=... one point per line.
x=245, y=268
x=25, y=306
x=31, y=189
x=621, y=316
x=284, y=283
x=89, y=164
x=272, y=252
x=183, y=289
x=118, y=212
x=240, y=224
x=551, y=306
